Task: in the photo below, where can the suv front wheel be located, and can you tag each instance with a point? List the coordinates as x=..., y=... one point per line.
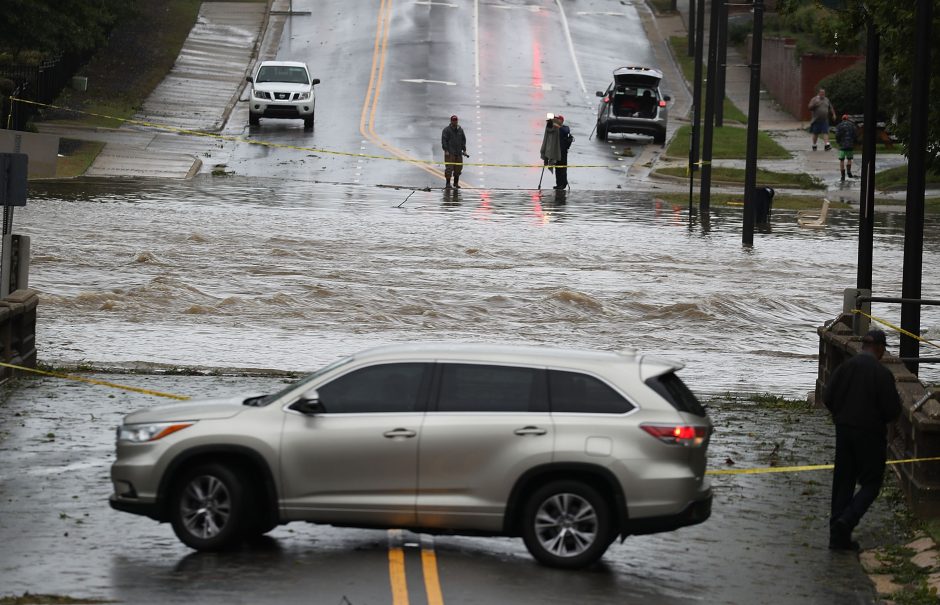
x=567, y=524
x=209, y=507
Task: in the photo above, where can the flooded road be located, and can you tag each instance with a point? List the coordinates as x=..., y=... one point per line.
x=255, y=273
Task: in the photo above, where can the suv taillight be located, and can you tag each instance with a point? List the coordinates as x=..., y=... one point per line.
x=677, y=434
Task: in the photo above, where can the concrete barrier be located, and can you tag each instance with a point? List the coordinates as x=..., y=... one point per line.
x=18, y=330
x=916, y=434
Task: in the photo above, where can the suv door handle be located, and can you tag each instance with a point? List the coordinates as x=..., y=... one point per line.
x=399, y=433
x=530, y=430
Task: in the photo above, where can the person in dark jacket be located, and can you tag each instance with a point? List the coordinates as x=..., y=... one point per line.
x=846, y=137
x=454, y=143
x=863, y=400
x=564, y=143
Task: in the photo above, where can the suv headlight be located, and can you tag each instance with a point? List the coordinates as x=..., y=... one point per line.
x=142, y=433
x=303, y=96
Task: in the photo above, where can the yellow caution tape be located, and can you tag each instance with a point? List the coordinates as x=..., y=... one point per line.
x=800, y=469
x=200, y=133
x=896, y=328
x=94, y=381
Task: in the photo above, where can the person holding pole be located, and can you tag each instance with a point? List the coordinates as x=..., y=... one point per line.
x=454, y=143
x=551, y=145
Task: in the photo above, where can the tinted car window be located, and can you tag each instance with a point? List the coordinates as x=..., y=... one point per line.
x=673, y=390
x=390, y=387
x=488, y=388
x=580, y=393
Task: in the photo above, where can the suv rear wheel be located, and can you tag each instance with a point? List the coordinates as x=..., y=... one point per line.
x=209, y=507
x=567, y=524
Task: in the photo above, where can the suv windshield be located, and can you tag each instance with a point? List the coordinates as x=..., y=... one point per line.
x=282, y=73
x=263, y=401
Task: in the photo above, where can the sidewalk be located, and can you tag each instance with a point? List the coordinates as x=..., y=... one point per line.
x=198, y=94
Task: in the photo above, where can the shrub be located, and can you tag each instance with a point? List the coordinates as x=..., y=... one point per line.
x=846, y=90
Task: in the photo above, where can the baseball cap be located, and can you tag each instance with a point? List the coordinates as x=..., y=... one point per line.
x=453, y=117
x=560, y=117
x=845, y=116
x=875, y=337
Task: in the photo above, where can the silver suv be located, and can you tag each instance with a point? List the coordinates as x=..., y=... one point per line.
x=568, y=449
x=282, y=89
x=634, y=104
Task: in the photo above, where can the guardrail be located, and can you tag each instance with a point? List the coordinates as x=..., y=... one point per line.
x=18, y=330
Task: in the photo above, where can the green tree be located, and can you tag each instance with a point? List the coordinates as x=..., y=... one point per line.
x=50, y=27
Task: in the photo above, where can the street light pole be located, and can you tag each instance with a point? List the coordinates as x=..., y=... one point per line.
x=753, y=111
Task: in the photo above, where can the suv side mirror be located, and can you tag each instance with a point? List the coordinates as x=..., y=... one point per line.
x=249, y=79
x=308, y=404
x=315, y=81
x=598, y=94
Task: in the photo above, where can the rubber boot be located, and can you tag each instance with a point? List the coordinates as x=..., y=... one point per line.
x=447, y=186
x=851, y=176
x=843, y=175
x=456, y=184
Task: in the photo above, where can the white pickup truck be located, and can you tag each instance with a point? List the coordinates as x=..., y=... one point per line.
x=282, y=89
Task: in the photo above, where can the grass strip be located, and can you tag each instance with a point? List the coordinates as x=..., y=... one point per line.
x=75, y=157
x=728, y=143
x=765, y=178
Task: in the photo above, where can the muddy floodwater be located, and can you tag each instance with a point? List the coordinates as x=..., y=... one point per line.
x=255, y=273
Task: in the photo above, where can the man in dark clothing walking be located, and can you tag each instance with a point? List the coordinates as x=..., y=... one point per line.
x=564, y=142
x=454, y=143
x=863, y=400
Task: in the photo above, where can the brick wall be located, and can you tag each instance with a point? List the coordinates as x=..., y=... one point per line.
x=792, y=80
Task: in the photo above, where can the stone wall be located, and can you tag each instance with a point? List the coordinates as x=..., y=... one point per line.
x=18, y=330
x=916, y=434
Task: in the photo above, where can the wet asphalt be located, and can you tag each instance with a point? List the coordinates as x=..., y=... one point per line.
x=765, y=542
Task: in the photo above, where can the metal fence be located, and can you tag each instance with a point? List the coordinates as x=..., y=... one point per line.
x=41, y=83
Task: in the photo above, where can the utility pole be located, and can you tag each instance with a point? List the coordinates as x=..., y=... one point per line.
x=916, y=183
x=722, y=62
x=711, y=93
x=753, y=110
x=866, y=202
x=696, y=97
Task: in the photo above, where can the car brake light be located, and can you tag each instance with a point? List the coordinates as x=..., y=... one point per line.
x=677, y=434
x=606, y=99
x=662, y=103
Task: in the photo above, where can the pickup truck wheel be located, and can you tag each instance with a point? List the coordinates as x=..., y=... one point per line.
x=601, y=133
x=567, y=524
x=308, y=123
x=253, y=120
x=660, y=138
x=209, y=507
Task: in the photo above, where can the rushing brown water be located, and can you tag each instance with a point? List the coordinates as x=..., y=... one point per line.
x=255, y=273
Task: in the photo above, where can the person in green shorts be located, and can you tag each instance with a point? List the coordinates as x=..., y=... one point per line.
x=846, y=137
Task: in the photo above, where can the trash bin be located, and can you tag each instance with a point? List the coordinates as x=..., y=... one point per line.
x=763, y=200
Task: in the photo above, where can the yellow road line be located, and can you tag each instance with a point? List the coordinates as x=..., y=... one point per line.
x=396, y=568
x=432, y=581
x=379, y=54
x=123, y=387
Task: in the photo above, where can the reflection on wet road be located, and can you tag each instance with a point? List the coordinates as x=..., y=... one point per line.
x=265, y=274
